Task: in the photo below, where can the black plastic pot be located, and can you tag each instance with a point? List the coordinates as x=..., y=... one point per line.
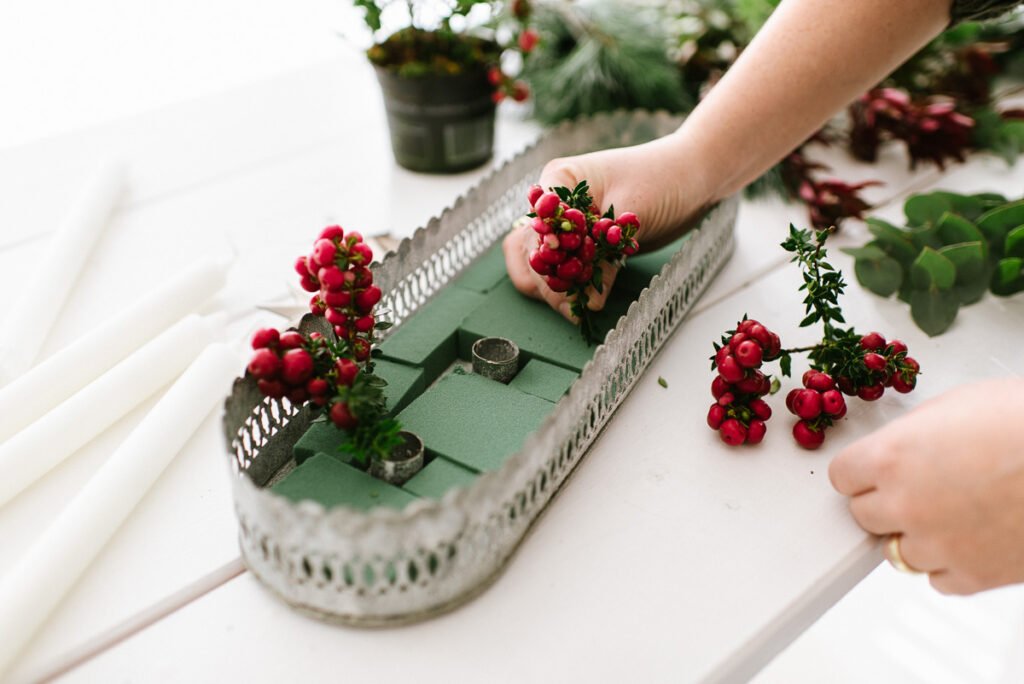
x=439, y=123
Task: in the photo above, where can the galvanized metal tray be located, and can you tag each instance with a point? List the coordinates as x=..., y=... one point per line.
x=387, y=566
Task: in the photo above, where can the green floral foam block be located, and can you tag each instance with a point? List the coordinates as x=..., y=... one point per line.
x=639, y=270
x=486, y=274
x=474, y=421
x=544, y=380
x=322, y=437
x=540, y=332
x=437, y=477
x=429, y=340
x=330, y=482
x=405, y=383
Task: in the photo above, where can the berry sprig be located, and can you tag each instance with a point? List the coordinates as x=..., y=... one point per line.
x=573, y=241
x=817, y=405
x=739, y=412
x=523, y=40
x=843, y=362
x=337, y=270
x=335, y=375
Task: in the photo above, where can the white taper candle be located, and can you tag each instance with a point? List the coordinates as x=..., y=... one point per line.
x=31, y=453
x=41, y=578
x=31, y=395
x=27, y=324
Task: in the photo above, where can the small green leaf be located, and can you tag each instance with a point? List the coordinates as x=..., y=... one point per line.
x=810, y=319
x=661, y=381
x=926, y=208
x=1008, y=277
x=882, y=276
x=932, y=271
x=776, y=384
x=990, y=199
x=1014, y=246
x=895, y=242
x=997, y=223
x=785, y=364
x=953, y=229
x=971, y=270
x=934, y=310
x=868, y=251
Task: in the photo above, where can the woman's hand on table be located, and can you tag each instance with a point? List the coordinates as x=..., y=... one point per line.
x=948, y=477
x=648, y=180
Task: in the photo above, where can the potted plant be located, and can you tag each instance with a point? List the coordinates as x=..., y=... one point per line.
x=441, y=76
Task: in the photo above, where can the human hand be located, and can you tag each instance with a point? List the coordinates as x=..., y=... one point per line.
x=949, y=477
x=649, y=180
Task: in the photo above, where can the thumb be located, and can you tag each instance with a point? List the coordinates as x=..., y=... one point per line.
x=560, y=172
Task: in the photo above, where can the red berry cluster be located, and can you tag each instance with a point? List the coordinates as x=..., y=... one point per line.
x=283, y=365
x=571, y=239
x=932, y=131
x=816, y=405
x=337, y=270
x=886, y=364
x=525, y=40
x=307, y=368
x=739, y=412
x=506, y=86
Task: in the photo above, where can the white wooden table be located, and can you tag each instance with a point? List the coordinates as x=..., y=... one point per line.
x=668, y=557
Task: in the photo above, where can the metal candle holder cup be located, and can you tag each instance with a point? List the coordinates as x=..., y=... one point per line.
x=405, y=461
x=496, y=358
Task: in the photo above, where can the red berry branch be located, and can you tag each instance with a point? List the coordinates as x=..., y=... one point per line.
x=843, y=362
x=337, y=270
x=335, y=375
x=524, y=40
x=573, y=240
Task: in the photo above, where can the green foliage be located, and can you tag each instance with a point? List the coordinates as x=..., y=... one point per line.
x=1001, y=136
x=954, y=248
x=822, y=282
x=1008, y=278
x=839, y=353
x=414, y=52
x=754, y=13
x=371, y=13
x=375, y=435
x=876, y=270
x=599, y=58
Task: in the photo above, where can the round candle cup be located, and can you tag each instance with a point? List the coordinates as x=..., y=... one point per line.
x=405, y=460
x=496, y=358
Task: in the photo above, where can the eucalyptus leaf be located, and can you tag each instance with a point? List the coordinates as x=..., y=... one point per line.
x=1008, y=277
x=925, y=236
x=869, y=251
x=883, y=275
x=971, y=270
x=924, y=209
x=928, y=209
x=953, y=229
x=996, y=223
x=932, y=271
x=895, y=242
x=1014, y=246
x=934, y=310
